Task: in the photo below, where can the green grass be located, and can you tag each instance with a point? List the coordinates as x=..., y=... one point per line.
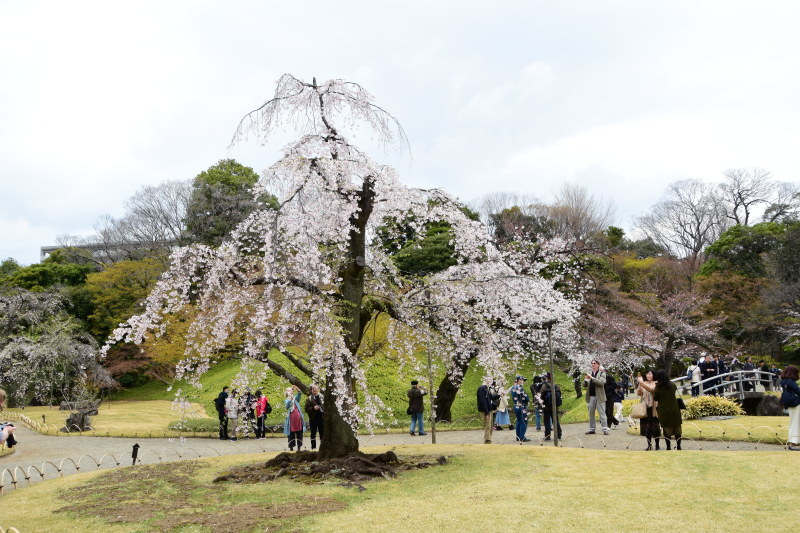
x=482, y=488
x=763, y=429
x=384, y=376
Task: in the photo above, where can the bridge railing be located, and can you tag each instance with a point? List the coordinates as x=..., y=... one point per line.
x=731, y=384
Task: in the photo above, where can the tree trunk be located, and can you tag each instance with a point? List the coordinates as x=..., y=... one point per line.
x=339, y=438
x=448, y=388
x=666, y=356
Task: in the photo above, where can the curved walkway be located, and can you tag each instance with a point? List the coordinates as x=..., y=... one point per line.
x=40, y=457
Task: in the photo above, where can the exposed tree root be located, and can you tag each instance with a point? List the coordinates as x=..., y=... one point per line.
x=352, y=469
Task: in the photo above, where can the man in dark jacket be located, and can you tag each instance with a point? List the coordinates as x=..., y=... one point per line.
x=416, y=406
x=219, y=403
x=486, y=399
x=314, y=412
x=708, y=369
x=546, y=395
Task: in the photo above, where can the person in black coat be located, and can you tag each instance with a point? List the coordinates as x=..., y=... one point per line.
x=610, y=387
x=707, y=371
x=486, y=399
x=219, y=403
x=721, y=369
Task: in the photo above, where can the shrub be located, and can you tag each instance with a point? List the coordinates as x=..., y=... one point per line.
x=710, y=406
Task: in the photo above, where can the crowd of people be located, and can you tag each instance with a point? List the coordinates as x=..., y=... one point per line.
x=245, y=414
x=707, y=375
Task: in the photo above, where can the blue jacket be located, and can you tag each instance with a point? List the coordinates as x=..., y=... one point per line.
x=288, y=404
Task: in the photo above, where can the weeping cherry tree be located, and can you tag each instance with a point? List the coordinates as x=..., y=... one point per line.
x=311, y=273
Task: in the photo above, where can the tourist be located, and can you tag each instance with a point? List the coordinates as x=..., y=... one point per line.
x=765, y=376
x=545, y=393
x=294, y=424
x=261, y=415
x=314, y=412
x=619, y=396
x=416, y=407
x=708, y=371
x=219, y=403
x=694, y=372
x=648, y=426
x=232, y=412
x=665, y=402
x=247, y=405
x=595, y=381
x=520, y=400
x=721, y=369
x=502, y=416
x=486, y=399
x=609, y=387
x=748, y=383
x=789, y=378
x=537, y=401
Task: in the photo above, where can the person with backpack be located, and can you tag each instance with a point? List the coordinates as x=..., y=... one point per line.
x=219, y=404
x=546, y=394
x=790, y=399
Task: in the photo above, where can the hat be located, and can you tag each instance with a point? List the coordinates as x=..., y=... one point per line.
x=414, y=382
x=523, y=378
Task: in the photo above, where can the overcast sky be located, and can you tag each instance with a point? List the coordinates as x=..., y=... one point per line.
x=98, y=99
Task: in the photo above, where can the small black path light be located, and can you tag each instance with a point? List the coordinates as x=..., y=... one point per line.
x=135, y=453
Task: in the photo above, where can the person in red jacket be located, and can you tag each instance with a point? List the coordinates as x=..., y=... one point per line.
x=261, y=415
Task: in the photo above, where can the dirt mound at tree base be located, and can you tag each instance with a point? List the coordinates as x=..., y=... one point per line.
x=353, y=468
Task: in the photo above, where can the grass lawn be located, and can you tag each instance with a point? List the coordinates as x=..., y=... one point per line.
x=766, y=429
x=482, y=488
x=117, y=419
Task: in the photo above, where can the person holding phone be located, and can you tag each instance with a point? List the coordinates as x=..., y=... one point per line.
x=595, y=381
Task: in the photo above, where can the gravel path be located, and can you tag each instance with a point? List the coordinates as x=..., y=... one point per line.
x=54, y=456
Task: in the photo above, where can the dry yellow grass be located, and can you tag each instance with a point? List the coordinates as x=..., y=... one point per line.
x=491, y=488
x=118, y=419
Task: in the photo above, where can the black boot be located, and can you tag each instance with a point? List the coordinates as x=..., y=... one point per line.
x=313, y=444
x=657, y=447
x=678, y=443
x=669, y=443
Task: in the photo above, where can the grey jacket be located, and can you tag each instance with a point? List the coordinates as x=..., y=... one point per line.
x=599, y=388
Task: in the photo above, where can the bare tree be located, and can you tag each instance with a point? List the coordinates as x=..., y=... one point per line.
x=152, y=225
x=687, y=220
x=578, y=215
x=785, y=204
x=497, y=202
x=744, y=190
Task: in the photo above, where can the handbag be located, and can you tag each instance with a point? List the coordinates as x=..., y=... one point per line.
x=789, y=398
x=681, y=404
x=409, y=411
x=639, y=410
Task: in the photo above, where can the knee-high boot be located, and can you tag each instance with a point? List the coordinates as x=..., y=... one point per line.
x=657, y=446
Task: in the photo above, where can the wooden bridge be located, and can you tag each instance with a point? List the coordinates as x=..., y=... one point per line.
x=745, y=386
